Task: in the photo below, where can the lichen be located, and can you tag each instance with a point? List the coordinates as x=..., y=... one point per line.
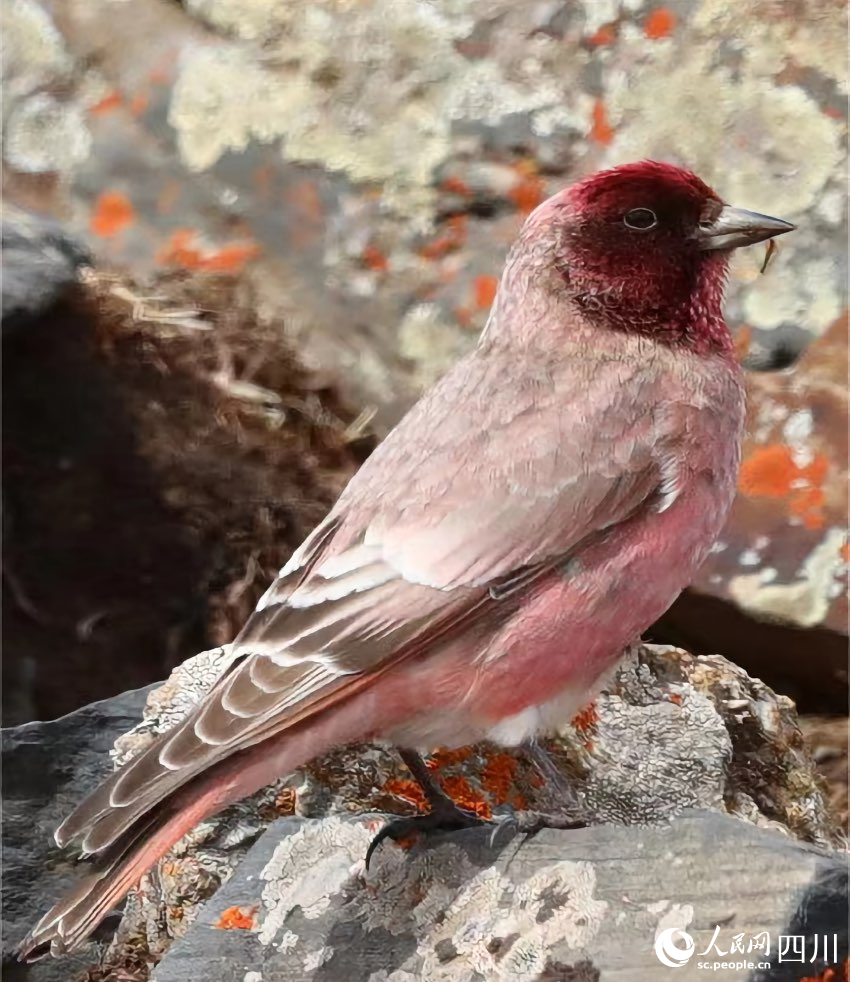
x=43, y=134
x=502, y=929
x=805, y=600
x=430, y=343
x=353, y=89
x=30, y=43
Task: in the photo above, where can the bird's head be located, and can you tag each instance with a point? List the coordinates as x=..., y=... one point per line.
x=644, y=248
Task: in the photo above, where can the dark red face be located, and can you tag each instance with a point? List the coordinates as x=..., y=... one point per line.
x=642, y=216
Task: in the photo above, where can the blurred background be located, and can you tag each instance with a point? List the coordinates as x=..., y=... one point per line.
x=240, y=237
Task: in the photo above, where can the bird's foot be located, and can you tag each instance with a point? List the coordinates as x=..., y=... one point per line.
x=531, y=822
x=443, y=817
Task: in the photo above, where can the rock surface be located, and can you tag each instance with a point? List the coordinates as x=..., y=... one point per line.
x=39, y=264
x=670, y=732
x=579, y=906
x=47, y=768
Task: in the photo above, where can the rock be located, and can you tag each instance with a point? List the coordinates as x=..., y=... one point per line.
x=39, y=263
x=579, y=906
x=47, y=769
x=671, y=732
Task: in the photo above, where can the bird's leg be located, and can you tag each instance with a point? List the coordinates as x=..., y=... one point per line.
x=554, y=776
x=572, y=816
x=444, y=816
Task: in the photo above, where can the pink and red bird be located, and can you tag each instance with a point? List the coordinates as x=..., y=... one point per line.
x=480, y=576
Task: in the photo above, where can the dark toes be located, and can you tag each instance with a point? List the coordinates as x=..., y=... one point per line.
x=439, y=820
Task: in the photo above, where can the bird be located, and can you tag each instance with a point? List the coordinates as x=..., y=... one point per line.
x=484, y=571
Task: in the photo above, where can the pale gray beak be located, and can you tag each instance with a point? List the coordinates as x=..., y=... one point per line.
x=736, y=227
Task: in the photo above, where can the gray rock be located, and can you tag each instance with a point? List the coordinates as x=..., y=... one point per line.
x=583, y=905
x=47, y=768
x=39, y=262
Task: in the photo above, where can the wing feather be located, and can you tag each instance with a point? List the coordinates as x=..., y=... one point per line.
x=443, y=520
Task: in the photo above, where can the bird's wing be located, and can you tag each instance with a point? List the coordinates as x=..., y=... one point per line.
x=448, y=515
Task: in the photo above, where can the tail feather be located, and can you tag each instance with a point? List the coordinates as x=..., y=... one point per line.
x=65, y=927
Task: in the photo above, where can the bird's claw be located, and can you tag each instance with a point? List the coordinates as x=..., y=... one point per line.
x=438, y=820
x=531, y=822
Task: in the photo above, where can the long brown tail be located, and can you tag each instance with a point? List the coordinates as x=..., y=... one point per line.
x=67, y=925
x=143, y=809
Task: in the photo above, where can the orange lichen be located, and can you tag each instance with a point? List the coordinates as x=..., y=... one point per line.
x=498, y=776
x=676, y=698
x=453, y=238
x=529, y=191
x=485, y=288
x=831, y=975
x=607, y=34
x=660, y=23
x=454, y=185
x=406, y=790
x=771, y=472
x=113, y=212
x=374, y=259
x=107, y=104
x=284, y=803
x=463, y=315
x=237, y=919
x=601, y=130
x=807, y=505
x=139, y=103
x=442, y=757
x=458, y=789
x=182, y=250
x=585, y=719
x=743, y=341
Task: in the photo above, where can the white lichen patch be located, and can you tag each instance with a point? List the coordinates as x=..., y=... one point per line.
x=797, y=433
x=307, y=869
x=495, y=926
x=678, y=917
x=507, y=931
x=770, y=147
x=819, y=39
x=806, y=599
x=431, y=344
x=372, y=89
x=30, y=44
x=44, y=135
x=806, y=294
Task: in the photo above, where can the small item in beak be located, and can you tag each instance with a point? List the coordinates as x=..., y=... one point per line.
x=768, y=255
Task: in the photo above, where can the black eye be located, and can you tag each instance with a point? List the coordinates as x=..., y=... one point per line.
x=640, y=219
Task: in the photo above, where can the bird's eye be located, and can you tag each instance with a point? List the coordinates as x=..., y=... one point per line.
x=641, y=219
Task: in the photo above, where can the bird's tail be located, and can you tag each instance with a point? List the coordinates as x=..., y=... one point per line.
x=135, y=849
x=143, y=809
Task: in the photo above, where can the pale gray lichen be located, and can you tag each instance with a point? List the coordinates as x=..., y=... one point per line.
x=501, y=929
x=372, y=91
x=30, y=45
x=43, y=134
x=805, y=600
x=431, y=344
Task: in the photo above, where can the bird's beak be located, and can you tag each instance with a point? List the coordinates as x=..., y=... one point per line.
x=735, y=227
